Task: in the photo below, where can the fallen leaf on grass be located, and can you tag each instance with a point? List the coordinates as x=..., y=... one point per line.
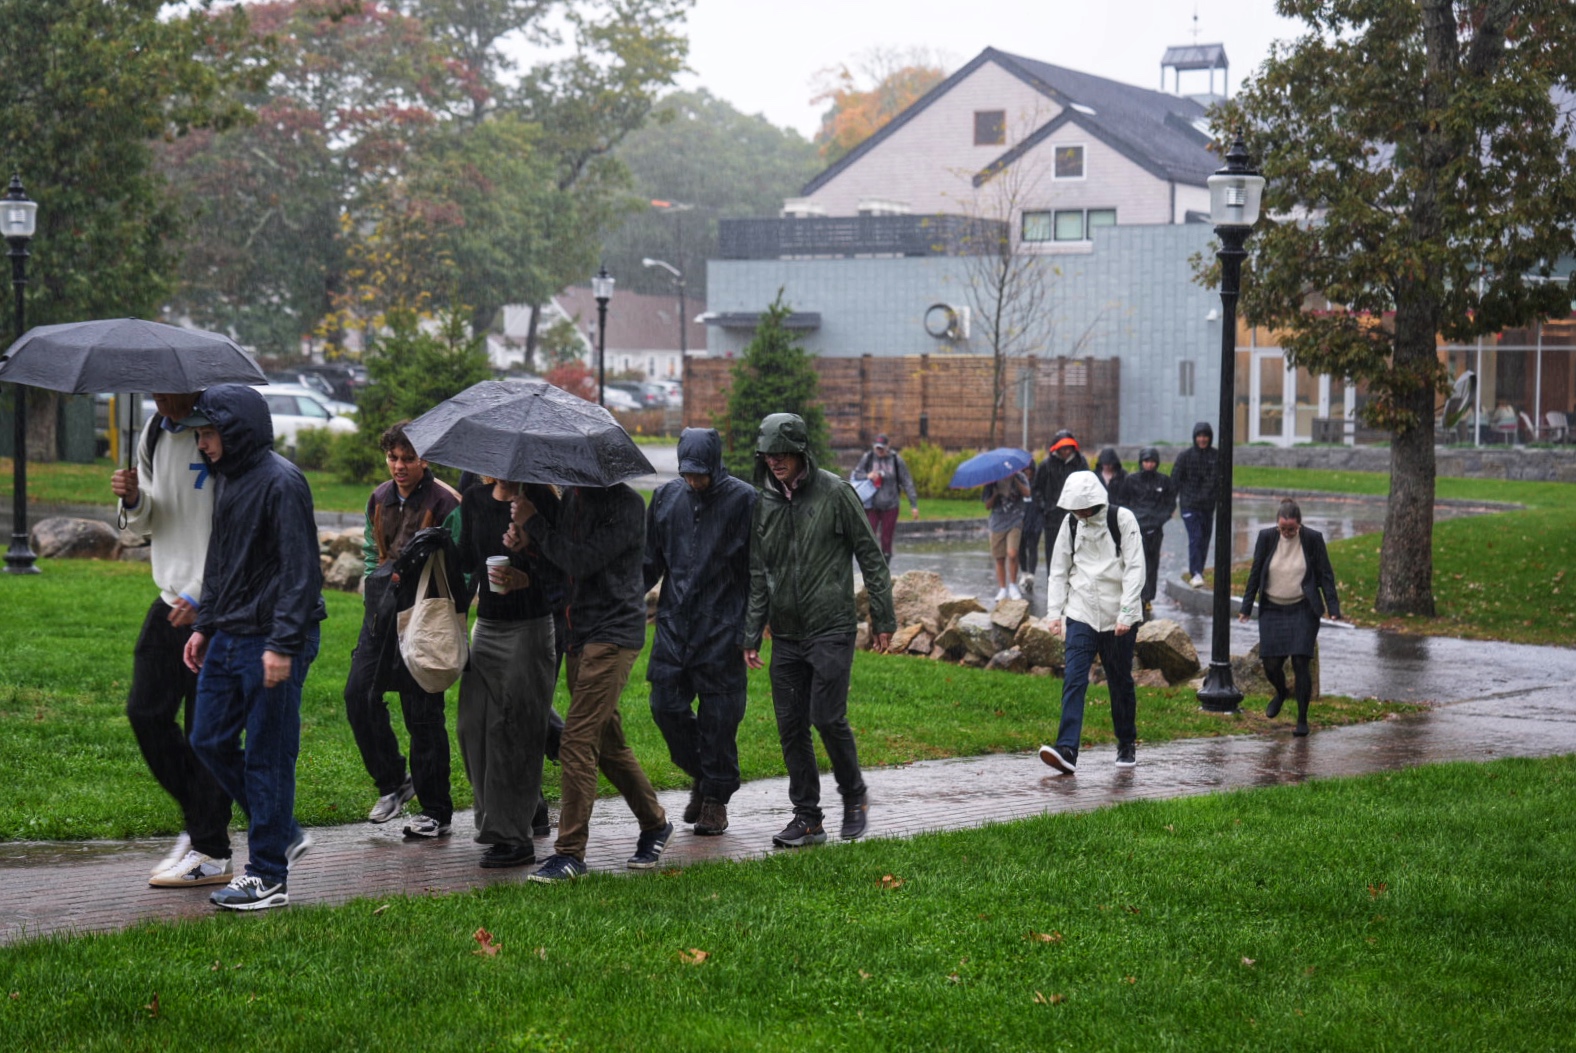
x=153, y=1006
x=1250, y=962
x=487, y=948
x=1375, y=891
x=888, y=881
x=693, y=956
x=1130, y=979
x=15, y=995
x=1045, y=937
x=541, y=952
x=863, y=975
x=380, y=910
x=954, y=978
x=215, y=967
x=1171, y=828
x=1133, y=910
x=1055, y=999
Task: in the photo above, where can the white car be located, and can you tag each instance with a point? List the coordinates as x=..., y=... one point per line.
x=295, y=407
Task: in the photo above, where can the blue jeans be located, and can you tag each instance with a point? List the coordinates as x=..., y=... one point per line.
x=1116, y=655
x=1200, y=523
x=261, y=778
x=705, y=746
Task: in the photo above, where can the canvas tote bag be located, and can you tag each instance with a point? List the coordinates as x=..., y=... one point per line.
x=431, y=632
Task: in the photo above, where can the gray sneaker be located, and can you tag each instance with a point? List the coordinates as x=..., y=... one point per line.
x=424, y=826
x=391, y=804
x=250, y=893
x=799, y=833
x=856, y=816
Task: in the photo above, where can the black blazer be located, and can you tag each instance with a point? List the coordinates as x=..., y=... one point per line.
x=1319, y=579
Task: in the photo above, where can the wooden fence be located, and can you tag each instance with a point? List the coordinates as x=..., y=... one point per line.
x=942, y=399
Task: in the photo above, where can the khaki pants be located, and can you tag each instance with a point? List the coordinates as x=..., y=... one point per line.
x=594, y=739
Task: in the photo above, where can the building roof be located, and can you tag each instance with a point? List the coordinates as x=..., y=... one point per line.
x=1196, y=56
x=635, y=321
x=1156, y=130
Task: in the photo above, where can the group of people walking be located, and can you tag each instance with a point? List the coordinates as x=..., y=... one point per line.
x=558, y=579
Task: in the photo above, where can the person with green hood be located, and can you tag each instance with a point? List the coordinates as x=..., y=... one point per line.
x=809, y=528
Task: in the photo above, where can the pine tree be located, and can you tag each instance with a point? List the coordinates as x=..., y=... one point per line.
x=774, y=375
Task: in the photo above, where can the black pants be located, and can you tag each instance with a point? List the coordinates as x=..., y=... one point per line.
x=1151, y=542
x=1302, y=672
x=1052, y=527
x=810, y=689
x=161, y=688
x=429, y=737
x=1029, y=546
x=704, y=746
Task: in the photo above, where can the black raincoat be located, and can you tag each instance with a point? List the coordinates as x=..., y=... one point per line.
x=1197, y=471
x=262, y=577
x=698, y=546
x=598, y=543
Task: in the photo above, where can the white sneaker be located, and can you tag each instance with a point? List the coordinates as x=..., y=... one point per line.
x=194, y=870
x=183, y=844
x=1026, y=582
x=1001, y=594
x=1013, y=593
x=1197, y=581
x=391, y=804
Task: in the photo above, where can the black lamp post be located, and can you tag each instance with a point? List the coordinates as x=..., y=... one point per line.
x=602, y=289
x=17, y=216
x=678, y=276
x=1234, y=194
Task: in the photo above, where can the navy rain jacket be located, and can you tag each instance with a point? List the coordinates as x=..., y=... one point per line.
x=262, y=577
x=698, y=546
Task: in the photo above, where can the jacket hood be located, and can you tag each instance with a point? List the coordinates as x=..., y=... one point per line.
x=1108, y=456
x=1149, y=453
x=782, y=433
x=700, y=453
x=245, y=426
x=1203, y=428
x=1082, y=490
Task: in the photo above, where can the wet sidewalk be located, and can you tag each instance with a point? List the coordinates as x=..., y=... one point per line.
x=98, y=886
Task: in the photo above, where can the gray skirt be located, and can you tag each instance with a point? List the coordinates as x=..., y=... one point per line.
x=1290, y=629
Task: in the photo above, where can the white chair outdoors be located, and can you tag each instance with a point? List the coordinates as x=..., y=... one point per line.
x=1532, y=429
x=1559, y=428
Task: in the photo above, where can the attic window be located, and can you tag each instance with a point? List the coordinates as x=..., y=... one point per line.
x=990, y=127
x=1069, y=162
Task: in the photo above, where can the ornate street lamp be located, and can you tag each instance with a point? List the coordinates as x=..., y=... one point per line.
x=602, y=289
x=1234, y=194
x=678, y=276
x=17, y=216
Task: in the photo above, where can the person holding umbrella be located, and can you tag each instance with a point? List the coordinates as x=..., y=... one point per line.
x=168, y=499
x=886, y=471
x=1004, y=498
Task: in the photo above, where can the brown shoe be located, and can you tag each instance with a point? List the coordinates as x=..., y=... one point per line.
x=692, y=808
x=713, y=818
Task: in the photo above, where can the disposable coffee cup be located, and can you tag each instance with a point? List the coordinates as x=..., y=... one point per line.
x=495, y=561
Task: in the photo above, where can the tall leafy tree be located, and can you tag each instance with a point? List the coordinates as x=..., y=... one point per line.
x=775, y=374
x=714, y=163
x=1420, y=162
x=861, y=99
x=90, y=88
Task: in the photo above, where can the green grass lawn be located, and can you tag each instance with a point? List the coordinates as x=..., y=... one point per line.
x=1423, y=909
x=74, y=770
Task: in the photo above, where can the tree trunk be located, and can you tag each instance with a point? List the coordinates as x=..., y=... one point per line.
x=1406, y=556
x=43, y=411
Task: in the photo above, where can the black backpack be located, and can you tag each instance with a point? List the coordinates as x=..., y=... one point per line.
x=1110, y=524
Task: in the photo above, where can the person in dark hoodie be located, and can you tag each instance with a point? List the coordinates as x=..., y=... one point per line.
x=1108, y=469
x=1196, y=475
x=1152, y=498
x=256, y=634
x=808, y=530
x=698, y=547
x=1062, y=459
x=598, y=543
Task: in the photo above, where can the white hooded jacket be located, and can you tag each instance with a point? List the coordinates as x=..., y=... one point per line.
x=1099, y=582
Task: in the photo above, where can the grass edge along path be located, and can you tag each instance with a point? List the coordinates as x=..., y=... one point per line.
x=1409, y=909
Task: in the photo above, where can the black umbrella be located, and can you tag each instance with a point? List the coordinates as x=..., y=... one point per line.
x=528, y=432
x=126, y=354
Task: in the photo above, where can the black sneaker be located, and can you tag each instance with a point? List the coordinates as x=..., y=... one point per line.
x=499, y=856
x=1301, y=729
x=250, y=893
x=692, y=809
x=713, y=818
x=425, y=826
x=1126, y=754
x=856, y=816
x=1273, y=709
x=542, y=821
x=1063, y=760
x=559, y=868
x=800, y=832
x=648, y=849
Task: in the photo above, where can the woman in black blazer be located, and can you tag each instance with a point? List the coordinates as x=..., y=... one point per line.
x=1294, y=584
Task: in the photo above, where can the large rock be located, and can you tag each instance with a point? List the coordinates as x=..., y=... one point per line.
x=1039, y=645
x=63, y=537
x=345, y=572
x=336, y=543
x=981, y=635
x=1009, y=614
x=950, y=642
x=921, y=644
x=1150, y=678
x=1009, y=661
x=1165, y=645
x=918, y=596
x=905, y=636
x=957, y=607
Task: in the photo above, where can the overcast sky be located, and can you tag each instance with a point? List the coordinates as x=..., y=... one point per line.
x=763, y=55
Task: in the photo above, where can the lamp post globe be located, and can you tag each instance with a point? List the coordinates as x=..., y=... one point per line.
x=602, y=291
x=1234, y=195
x=17, y=218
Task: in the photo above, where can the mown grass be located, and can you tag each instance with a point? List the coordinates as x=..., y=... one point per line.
x=74, y=771
x=1416, y=910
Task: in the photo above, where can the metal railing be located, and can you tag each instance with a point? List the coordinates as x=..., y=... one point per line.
x=846, y=236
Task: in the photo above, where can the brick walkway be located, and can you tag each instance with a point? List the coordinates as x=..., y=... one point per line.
x=99, y=886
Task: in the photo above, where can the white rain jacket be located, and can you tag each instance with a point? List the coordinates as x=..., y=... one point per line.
x=1099, y=582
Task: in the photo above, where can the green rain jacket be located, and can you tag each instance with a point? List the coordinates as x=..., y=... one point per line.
x=802, y=550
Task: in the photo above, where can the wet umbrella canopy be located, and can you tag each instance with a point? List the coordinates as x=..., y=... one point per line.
x=990, y=466
x=126, y=354
x=528, y=432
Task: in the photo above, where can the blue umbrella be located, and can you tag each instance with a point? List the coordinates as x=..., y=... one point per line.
x=990, y=466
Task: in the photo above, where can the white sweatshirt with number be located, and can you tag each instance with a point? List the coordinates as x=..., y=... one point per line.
x=174, y=511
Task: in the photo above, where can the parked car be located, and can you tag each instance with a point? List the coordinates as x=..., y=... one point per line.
x=648, y=394
x=294, y=407
x=619, y=399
